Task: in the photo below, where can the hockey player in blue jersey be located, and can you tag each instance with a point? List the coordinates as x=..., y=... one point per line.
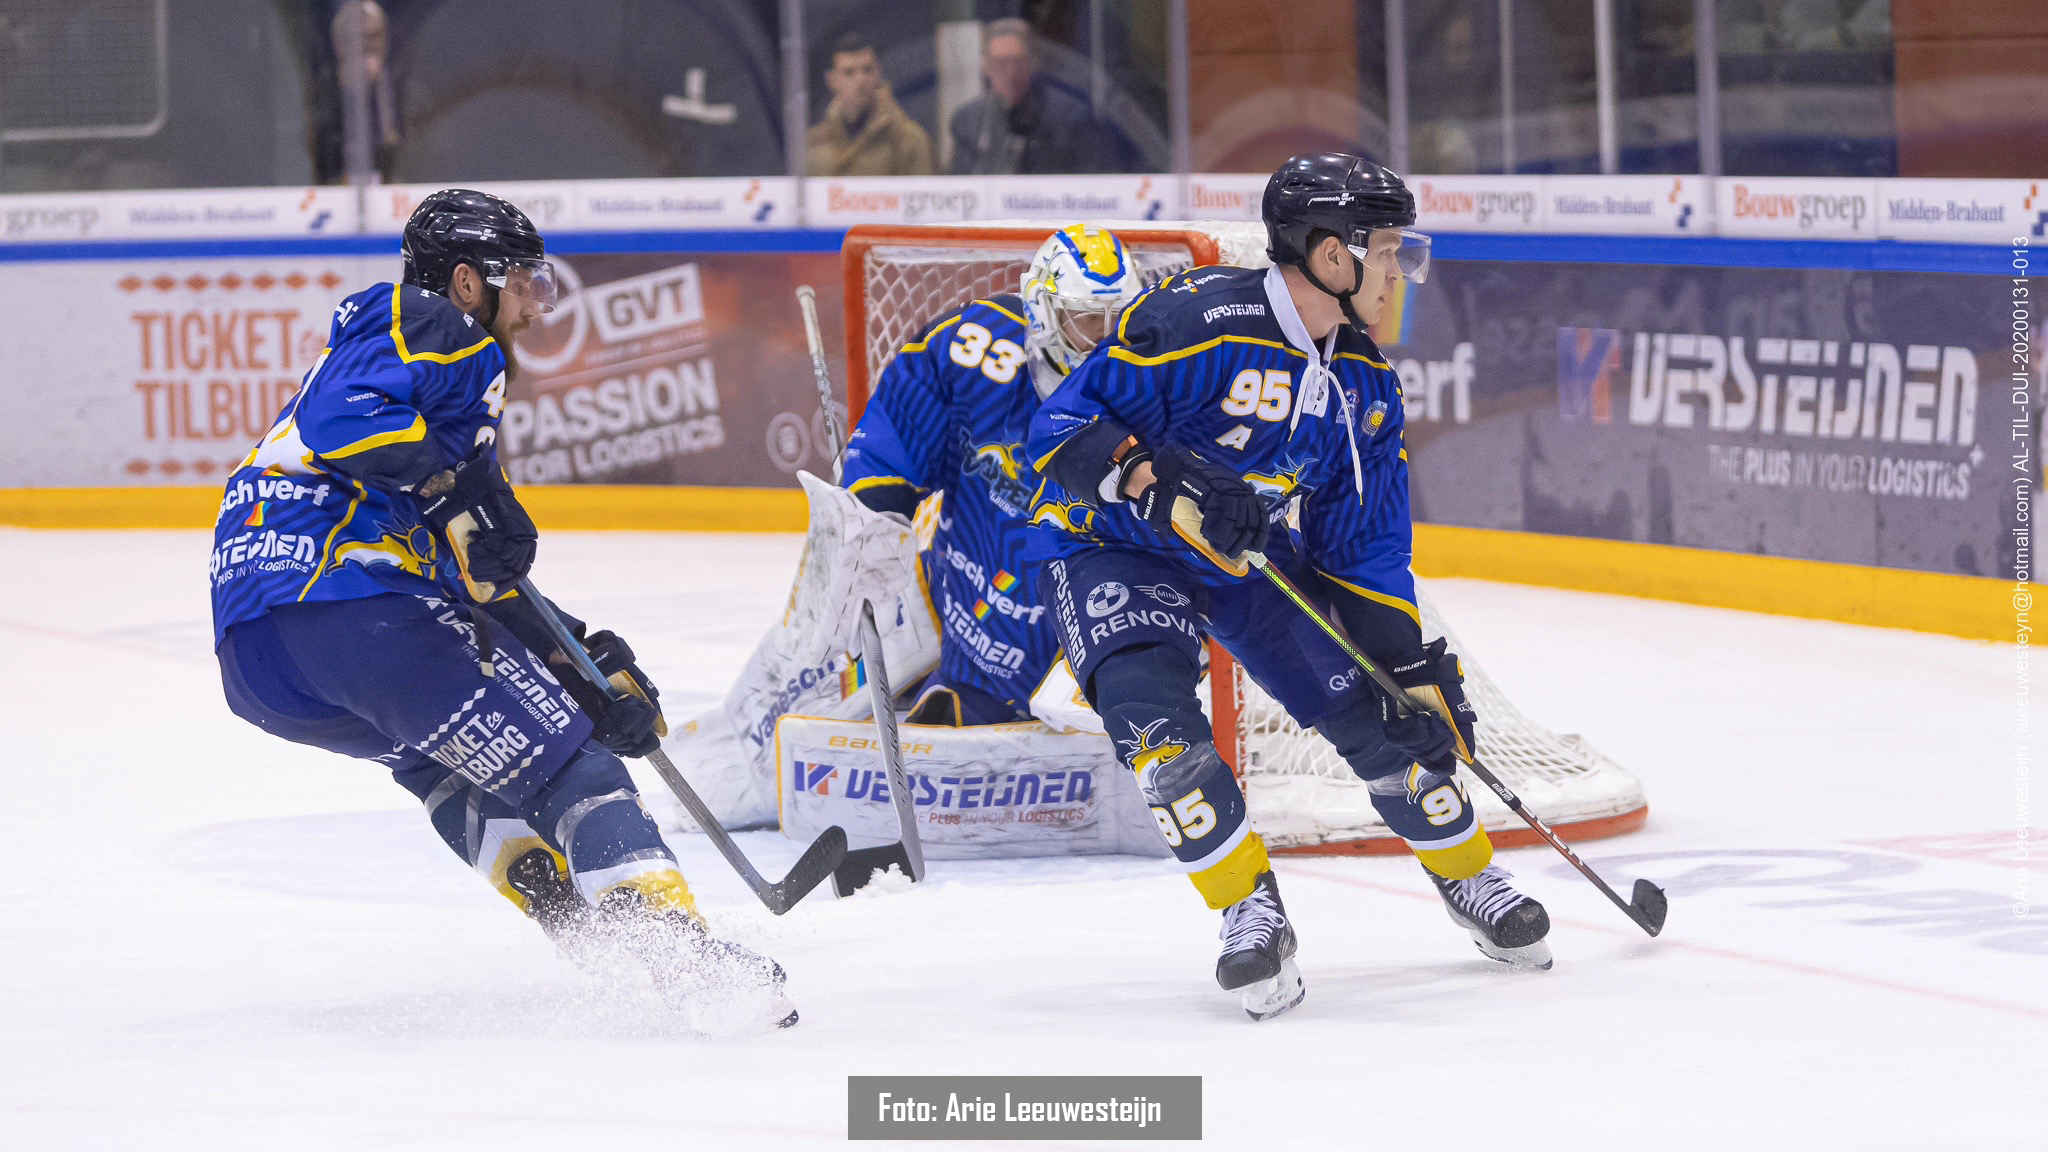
x=361, y=575
x=949, y=415
x=1227, y=396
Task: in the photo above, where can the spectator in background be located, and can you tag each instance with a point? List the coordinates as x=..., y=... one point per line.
x=361, y=50
x=864, y=131
x=1022, y=124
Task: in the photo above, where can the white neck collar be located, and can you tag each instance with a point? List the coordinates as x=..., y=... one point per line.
x=1291, y=326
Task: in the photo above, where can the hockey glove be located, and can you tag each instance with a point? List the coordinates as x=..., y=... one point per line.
x=627, y=719
x=1438, y=730
x=1205, y=504
x=473, y=509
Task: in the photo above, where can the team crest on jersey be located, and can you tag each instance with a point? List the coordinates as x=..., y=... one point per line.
x=1166, y=594
x=1375, y=418
x=1282, y=481
x=1146, y=753
x=412, y=550
x=996, y=465
x=1069, y=515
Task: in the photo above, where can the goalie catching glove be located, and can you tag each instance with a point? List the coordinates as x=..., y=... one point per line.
x=473, y=510
x=1438, y=729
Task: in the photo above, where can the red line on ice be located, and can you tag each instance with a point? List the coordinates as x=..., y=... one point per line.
x=1294, y=869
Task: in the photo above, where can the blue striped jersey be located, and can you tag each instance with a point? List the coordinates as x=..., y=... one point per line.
x=949, y=415
x=402, y=366
x=1203, y=361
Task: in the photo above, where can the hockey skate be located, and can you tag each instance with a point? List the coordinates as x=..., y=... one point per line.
x=1258, y=953
x=1505, y=925
x=552, y=903
x=719, y=987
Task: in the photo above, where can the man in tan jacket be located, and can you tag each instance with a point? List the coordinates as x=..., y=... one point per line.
x=864, y=132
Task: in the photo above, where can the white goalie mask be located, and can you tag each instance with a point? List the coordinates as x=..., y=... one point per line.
x=1078, y=281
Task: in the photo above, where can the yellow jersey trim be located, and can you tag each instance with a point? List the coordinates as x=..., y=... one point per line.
x=414, y=432
x=1377, y=597
x=867, y=482
x=941, y=326
x=1130, y=357
x=1367, y=359
x=408, y=356
x=1133, y=307
x=992, y=305
x=327, y=549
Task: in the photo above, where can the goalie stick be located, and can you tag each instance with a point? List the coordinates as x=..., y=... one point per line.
x=907, y=853
x=807, y=303
x=1648, y=904
x=810, y=870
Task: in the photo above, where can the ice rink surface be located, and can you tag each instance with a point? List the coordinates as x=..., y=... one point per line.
x=211, y=939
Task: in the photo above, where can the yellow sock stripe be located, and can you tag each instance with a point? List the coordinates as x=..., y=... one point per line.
x=661, y=889
x=1232, y=878
x=1469, y=857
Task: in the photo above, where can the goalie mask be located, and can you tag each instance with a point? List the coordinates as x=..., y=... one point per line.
x=1079, y=280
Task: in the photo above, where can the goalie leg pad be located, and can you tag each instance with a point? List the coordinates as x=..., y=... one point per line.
x=981, y=792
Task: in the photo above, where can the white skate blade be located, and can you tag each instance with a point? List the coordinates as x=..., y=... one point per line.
x=1269, y=998
x=1532, y=957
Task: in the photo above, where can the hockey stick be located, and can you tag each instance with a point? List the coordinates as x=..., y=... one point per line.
x=807, y=873
x=807, y=303
x=1649, y=904
x=907, y=853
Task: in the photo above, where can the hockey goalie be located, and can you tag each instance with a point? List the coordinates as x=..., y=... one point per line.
x=1003, y=755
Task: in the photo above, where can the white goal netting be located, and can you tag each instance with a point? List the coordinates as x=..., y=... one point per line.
x=1302, y=797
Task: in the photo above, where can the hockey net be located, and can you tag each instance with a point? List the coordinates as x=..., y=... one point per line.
x=1302, y=797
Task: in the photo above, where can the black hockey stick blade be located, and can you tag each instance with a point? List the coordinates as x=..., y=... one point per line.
x=820, y=860
x=1647, y=906
x=863, y=864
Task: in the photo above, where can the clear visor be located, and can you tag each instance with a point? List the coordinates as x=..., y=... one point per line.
x=1394, y=250
x=1084, y=323
x=528, y=279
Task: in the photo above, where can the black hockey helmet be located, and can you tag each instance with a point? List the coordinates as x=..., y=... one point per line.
x=464, y=226
x=1346, y=196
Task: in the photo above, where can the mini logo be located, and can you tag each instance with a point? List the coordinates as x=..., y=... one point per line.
x=1106, y=598
x=1166, y=594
